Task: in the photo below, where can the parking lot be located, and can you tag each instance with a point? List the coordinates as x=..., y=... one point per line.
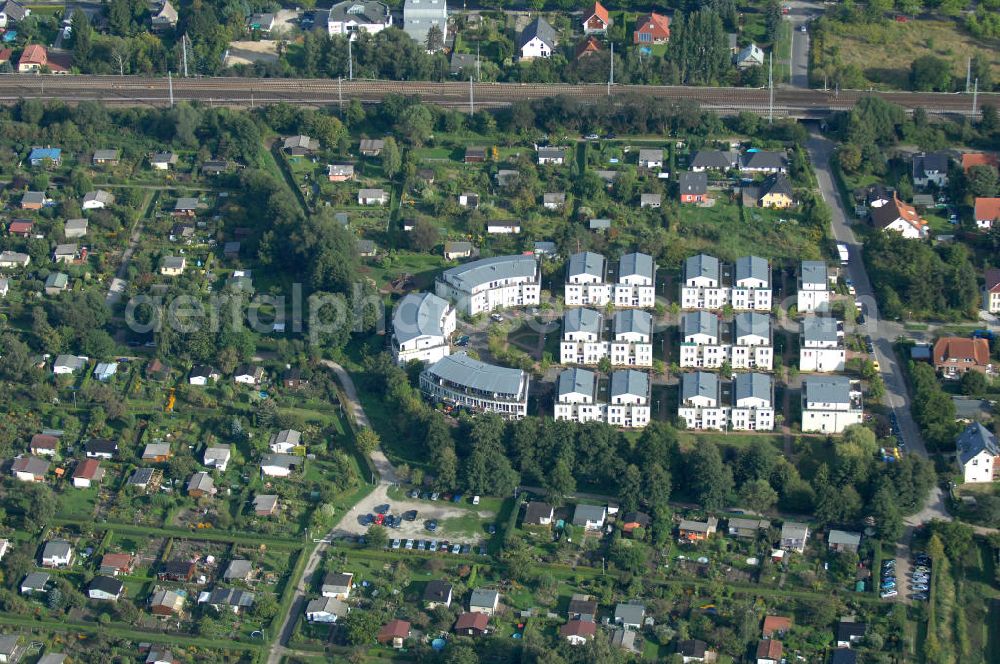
x=453, y=520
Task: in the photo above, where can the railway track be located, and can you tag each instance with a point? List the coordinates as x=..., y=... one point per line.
x=139, y=90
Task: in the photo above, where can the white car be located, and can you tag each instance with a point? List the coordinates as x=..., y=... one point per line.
x=497, y=317
x=475, y=500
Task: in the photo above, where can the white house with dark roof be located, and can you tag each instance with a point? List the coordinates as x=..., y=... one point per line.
x=459, y=380
x=586, y=281
x=701, y=343
x=700, y=403
x=550, y=155
x=716, y=160
x=591, y=517
x=751, y=290
x=582, y=337
x=752, y=347
x=978, y=454
x=930, y=168
x=821, y=345
x=354, y=16
x=537, y=40
x=636, y=281
x=650, y=158
x=422, y=324
x=702, y=286
x=285, y=441
x=630, y=399
x=830, y=404
x=814, y=287
x=576, y=398
x=752, y=402
x=632, y=340
x=491, y=283
x=764, y=161
x=326, y=610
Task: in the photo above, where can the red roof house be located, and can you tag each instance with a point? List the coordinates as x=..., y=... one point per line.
x=394, y=633
x=776, y=626
x=597, y=20
x=33, y=58
x=987, y=212
x=21, y=227
x=589, y=46
x=87, y=472
x=651, y=28
x=472, y=624
x=953, y=356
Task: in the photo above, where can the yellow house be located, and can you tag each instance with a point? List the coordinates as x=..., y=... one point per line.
x=172, y=266
x=776, y=192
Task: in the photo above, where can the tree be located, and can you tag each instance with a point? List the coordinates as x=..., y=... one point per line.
x=982, y=181
x=367, y=440
x=82, y=33
x=361, y=627
x=758, y=496
x=415, y=124
x=392, y=160
x=974, y=383
x=772, y=20
x=710, y=481
x=424, y=235
x=930, y=73
x=435, y=38
x=377, y=537
x=888, y=520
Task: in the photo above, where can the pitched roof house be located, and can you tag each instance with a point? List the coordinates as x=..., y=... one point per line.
x=953, y=356
x=987, y=212
x=651, y=28
x=596, y=20
x=899, y=217
x=978, y=454
x=537, y=40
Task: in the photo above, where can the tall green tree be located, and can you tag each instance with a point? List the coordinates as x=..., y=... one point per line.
x=709, y=479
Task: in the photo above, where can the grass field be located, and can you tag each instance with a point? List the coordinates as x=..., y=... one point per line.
x=885, y=50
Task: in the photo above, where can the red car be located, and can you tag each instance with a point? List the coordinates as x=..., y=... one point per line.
x=379, y=519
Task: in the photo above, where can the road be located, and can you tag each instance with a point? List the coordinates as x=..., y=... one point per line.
x=800, y=14
x=155, y=91
x=387, y=477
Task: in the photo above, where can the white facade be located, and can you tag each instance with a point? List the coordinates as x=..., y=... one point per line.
x=814, y=287
x=462, y=381
x=577, y=397
x=349, y=18
x=535, y=48
x=585, y=285
x=491, y=283
x=629, y=407
x=636, y=282
x=830, y=404
x=821, y=346
x=422, y=324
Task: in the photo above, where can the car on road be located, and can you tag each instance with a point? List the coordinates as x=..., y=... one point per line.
x=431, y=525
x=395, y=543
x=462, y=341
x=803, y=28
x=592, y=137
x=410, y=515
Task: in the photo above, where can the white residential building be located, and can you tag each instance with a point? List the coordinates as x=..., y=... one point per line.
x=353, y=16
x=702, y=285
x=830, y=404
x=491, y=283
x=462, y=381
x=577, y=397
x=752, y=402
x=632, y=344
x=752, y=347
x=814, y=287
x=420, y=15
x=586, y=284
x=630, y=399
x=636, y=281
x=821, y=345
x=701, y=345
x=701, y=402
x=422, y=324
x=978, y=454
x=751, y=285
x=582, y=340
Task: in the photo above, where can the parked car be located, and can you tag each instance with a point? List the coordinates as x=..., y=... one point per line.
x=395, y=543
x=431, y=525
x=435, y=495
x=886, y=594
x=382, y=509
x=409, y=544
x=410, y=515
x=433, y=546
x=456, y=549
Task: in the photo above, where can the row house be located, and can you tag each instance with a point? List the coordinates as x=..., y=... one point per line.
x=710, y=285
x=745, y=404
x=744, y=344
x=584, y=342
x=821, y=345
x=587, y=283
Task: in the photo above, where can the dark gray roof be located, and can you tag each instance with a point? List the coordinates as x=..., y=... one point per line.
x=699, y=384
x=587, y=262
x=231, y=597
x=693, y=183
x=484, y=597
x=631, y=614
x=819, y=328
x=701, y=265
x=844, y=656
x=418, y=314
x=584, y=513
x=700, y=322
x=107, y=584
x=551, y=153
x=764, y=159
x=635, y=263
x=577, y=380
x=460, y=61
x=461, y=369
x=282, y=460
x=752, y=323
x=360, y=11
x=238, y=569
x=582, y=320
x=844, y=537
x=437, y=591
x=36, y=580
x=15, y=10
x=752, y=385
x=538, y=28
x=650, y=154
x=534, y=512
x=56, y=548
x=692, y=648
x=634, y=320
x=752, y=267
x=930, y=162
x=778, y=183
x=471, y=275
x=813, y=272
x=630, y=381
x=975, y=439
x=827, y=389
x=712, y=159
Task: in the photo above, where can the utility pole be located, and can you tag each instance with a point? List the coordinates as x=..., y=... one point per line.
x=472, y=98
x=770, y=84
x=479, y=71
x=975, y=96
x=340, y=94
x=350, y=61
x=184, y=50
x=968, y=74
x=611, y=77
x=170, y=84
